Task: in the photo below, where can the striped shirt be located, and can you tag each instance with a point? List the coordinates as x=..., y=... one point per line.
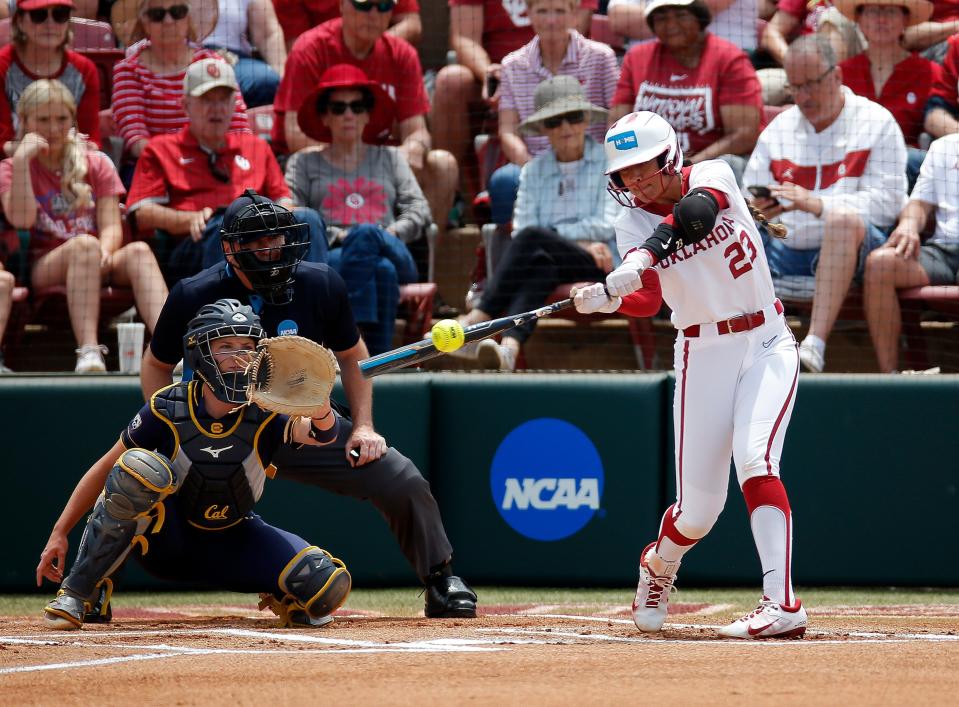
x=593, y=64
x=145, y=104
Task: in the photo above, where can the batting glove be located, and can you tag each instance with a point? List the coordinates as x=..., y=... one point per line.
x=627, y=278
x=593, y=298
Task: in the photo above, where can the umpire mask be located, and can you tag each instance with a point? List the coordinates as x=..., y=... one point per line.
x=273, y=244
x=225, y=317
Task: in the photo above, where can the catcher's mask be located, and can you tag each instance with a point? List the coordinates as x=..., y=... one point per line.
x=272, y=267
x=225, y=317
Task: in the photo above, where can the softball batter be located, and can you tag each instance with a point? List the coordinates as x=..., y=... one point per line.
x=736, y=361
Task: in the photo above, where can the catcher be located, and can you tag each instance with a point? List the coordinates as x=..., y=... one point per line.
x=181, y=482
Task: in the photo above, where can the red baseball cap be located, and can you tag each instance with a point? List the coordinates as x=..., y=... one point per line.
x=27, y=5
x=347, y=76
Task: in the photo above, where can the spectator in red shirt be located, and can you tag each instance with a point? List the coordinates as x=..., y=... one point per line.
x=163, y=36
x=41, y=33
x=942, y=109
x=482, y=32
x=185, y=180
x=68, y=197
x=886, y=72
x=703, y=85
x=360, y=38
x=298, y=16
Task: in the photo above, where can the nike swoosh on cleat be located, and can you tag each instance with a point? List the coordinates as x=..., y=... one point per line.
x=767, y=572
x=756, y=631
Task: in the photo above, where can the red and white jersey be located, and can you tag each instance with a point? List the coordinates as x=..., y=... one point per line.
x=722, y=276
x=857, y=163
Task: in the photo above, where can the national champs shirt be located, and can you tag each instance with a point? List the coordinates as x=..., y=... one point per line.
x=689, y=98
x=858, y=162
x=722, y=276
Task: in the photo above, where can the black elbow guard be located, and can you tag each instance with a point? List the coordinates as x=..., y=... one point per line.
x=663, y=242
x=695, y=216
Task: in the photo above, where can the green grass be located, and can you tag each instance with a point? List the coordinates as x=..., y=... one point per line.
x=407, y=602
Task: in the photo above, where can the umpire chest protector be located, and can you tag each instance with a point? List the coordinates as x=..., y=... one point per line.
x=222, y=473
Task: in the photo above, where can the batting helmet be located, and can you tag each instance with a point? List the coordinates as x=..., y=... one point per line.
x=225, y=317
x=636, y=138
x=271, y=268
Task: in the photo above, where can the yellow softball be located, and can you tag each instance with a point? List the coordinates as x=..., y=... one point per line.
x=447, y=335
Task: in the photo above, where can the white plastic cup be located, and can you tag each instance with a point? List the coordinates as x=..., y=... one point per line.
x=130, y=349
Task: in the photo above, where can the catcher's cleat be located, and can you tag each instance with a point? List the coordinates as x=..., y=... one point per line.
x=65, y=612
x=651, y=603
x=769, y=620
x=450, y=598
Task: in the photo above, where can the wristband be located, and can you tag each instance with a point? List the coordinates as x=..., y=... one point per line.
x=325, y=436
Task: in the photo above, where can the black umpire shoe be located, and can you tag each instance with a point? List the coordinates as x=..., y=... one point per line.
x=450, y=598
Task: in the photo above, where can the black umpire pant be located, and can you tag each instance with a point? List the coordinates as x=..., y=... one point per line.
x=392, y=483
x=537, y=261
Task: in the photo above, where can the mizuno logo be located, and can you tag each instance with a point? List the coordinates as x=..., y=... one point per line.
x=215, y=453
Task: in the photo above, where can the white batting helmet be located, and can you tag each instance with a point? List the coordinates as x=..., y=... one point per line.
x=636, y=138
x=640, y=137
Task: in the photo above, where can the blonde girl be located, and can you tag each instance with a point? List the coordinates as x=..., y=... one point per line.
x=68, y=197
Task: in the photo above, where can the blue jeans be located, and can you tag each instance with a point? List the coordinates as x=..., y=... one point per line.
x=784, y=260
x=317, y=253
x=374, y=263
x=502, y=188
x=914, y=158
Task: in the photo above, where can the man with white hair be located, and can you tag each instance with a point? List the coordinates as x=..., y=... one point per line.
x=835, y=168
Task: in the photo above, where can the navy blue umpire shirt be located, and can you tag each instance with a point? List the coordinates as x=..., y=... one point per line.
x=320, y=309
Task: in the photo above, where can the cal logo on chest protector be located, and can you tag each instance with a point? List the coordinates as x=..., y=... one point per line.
x=222, y=477
x=547, y=479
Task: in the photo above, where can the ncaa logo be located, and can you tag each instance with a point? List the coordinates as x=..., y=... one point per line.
x=623, y=141
x=287, y=328
x=547, y=479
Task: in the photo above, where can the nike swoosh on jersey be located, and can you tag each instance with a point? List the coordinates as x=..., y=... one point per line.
x=677, y=77
x=186, y=160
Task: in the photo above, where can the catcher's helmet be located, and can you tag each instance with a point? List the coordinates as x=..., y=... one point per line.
x=225, y=317
x=636, y=138
x=271, y=268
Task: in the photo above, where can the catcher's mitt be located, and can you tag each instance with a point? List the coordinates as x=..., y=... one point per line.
x=291, y=375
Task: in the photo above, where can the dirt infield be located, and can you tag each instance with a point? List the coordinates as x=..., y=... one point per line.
x=516, y=654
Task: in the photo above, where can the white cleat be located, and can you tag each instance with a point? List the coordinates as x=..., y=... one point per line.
x=769, y=620
x=810, y=358
x=652, y=595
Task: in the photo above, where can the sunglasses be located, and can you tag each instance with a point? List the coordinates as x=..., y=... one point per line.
x=60, y=14
x=176, y=12
x=216, y=170
x=339, y=107
x=574, y=118
x=381, y=6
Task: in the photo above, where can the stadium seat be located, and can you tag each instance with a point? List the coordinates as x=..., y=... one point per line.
x=600, y=31
x=261, y=121
x=418, y=299
x=914, y=301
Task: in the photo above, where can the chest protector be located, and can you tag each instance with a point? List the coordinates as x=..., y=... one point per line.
x=224, y=476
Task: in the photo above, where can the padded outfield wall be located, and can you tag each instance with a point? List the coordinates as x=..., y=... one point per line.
x=557, y=479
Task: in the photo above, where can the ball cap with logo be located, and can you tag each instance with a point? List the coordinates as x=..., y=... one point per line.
x=557, y=96
x=206, y=74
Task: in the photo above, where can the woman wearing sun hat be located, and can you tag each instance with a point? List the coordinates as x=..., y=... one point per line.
x=562, y=224
x=163, y=39
x=41, y=33
x=886, y=72
x=367, y=194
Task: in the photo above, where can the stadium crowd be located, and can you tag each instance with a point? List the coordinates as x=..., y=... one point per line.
x=829, y=112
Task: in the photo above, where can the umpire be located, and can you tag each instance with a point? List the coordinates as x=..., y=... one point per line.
x=264, y=247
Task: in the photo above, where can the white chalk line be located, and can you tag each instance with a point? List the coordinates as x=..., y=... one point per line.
x=339, y=646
